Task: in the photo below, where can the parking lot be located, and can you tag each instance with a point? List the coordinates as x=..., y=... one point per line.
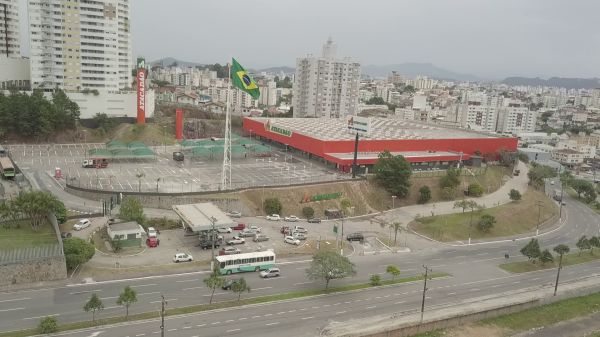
x=163, y=174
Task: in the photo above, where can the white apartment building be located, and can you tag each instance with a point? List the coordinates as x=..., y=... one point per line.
x=479, y=111
x=80, y=44
x=268, y=94
x=9, y=29
x=515, y=117
x=568, y=157
x=325, y=86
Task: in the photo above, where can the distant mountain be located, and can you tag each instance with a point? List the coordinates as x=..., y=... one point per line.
x=414, y=69
x=561, y=82
x=167, y=61
x=277, y=70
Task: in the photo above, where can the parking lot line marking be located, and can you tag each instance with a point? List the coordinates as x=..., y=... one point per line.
x=200, y=325
x=309, y=317
x=192, y=288
x=266, y=315
x=229, y=320
x=451, y=293
x=186, y=327
x=400, y=302
x=243, y=318
x=281, y=313
x=215, y=323
x=172, y=330
x=340, y=312
x=215, y=294
x=233, y=330
x=154, y=292
x=274, y=323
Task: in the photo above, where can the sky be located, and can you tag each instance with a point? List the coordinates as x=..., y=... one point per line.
x=488, y=38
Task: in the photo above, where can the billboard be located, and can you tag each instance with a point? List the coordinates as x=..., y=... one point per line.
x=141, y=90
x=359, y=124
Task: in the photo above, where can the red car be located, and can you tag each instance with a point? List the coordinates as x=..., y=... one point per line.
x=239, y=227
x=152, y=242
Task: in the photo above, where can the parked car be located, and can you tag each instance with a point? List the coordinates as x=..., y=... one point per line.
x=299, y=236
x=291, y=240
x=355, y=237
x=271, y=272
x=152, y=232
x=292, y=218
x=273, y=217
x=224, y=230
x=246, y=233
x=65, y=235
x=236, y=240
x=260, y=237
x=182, y=257
x=234, y=214
x=208, y=244
x=178, y=156
x=229, y=283
x=229, y=251
x=300, y=229
x=83, y=223
x=152, y=242
x=255, y=228
x=314, y=220
x=239, y=226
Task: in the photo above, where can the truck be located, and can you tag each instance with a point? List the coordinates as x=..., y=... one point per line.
x=95, y=163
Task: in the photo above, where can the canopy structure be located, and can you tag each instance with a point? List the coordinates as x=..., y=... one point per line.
x=116, y=149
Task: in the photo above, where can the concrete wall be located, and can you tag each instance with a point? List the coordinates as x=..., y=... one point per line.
x=41, y=269
x=14, y=72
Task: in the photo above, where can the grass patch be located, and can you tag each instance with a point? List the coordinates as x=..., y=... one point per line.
x=569, y=259
x=24, y=236
x=548, y=314
x=511, y=219
x=219, y=305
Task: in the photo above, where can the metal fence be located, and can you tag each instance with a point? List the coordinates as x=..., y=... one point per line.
x=30, y=253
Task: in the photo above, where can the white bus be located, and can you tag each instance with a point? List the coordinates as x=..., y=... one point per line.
x=239, y=263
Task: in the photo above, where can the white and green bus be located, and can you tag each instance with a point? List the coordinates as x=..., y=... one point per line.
x=239, y=263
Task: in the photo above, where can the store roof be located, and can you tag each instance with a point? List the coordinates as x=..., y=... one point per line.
x=198, y=216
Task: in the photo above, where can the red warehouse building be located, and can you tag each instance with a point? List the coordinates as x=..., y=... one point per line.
x=424, y=145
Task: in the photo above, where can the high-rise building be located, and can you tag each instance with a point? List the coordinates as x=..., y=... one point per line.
x=479, y=111
x=515, y=116
x=9, y=29
x=80, y=44
x=325, y=86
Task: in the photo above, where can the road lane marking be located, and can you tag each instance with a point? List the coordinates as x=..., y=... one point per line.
x=172, y=330
x=145, y=285
x=229, y=321
x=16, y=299
x=117, y=306
x=194, y=280
x=305, y=318
x=371, y=307
x=168, y=300
x=233, y=330
x=150, y=293
x=281, y=313
x=292, y=311
x=255, y=316
x=140, y=334
x=340, y=312
x=192, y=288
x=301, y=283
x=84, y=292
x=186, y=327
x=108, y=298
x=13, y=309
x=263, y=288
x=243, y=318
x=274, y=323
x=200, y=325
x=215, y=294
x=54, y=315
x=400, y=302
x=215, y=323
x=267, y=315
x=451, y=294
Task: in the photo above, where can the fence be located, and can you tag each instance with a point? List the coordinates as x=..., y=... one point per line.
x=440, y=173
x=30, y=253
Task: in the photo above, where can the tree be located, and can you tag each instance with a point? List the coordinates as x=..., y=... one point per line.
x=465, y=204
x=48, y=324
x=475, y=190
x=486, y=222
x=127, y=298
x=329, y=266
x=582, y=186
x=77, y=251
x=538, y=173
x=448, y=193
x=308, y=212
x=239, y=287
x=393, y=173
x=396, y=227
x=93, y=305
x=60, y=212
x=546, y=257
x=393, y=270
x=36, y=205
x=514, y=195
x=561, y=249
x=214, y=281
x=345, y=204
x=583, y=243
x=451, y=179
x=375, y=280
x=132, y=210
x=531, y=250
x=272, y=206
x=376, y=100
x=594, y=242
x=424, y=194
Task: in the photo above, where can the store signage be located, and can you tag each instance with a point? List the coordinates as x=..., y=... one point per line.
x=359, y=124
x=277, y=130
x=320, y=197
x=141, y=91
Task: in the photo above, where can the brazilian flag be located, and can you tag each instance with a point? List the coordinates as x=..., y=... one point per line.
x=242, y=80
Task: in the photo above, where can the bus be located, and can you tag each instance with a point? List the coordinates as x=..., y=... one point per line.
x=6, y=168
x=239, y=263
x=2, y=151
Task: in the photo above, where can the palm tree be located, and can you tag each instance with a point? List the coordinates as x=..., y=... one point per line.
x=140, y=175
x=396, y=226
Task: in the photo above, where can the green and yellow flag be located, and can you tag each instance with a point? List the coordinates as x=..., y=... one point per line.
x=242, y=80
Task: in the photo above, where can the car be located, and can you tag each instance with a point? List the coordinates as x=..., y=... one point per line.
x=83, y=223
x=152, y=242
x=229, y=283
x=260, y=237
x=314, y=220
x=178, y=156
x=229, y=251
x=299, y=229
x=65, y=235
x=292, y=218
x=273, y=217
x=224, y=230
x=234, y=214
x=271, y=272
x=152, y=232
x=255, y=228
x=239, y=226
x=355, y=237
x=299, y=236
x=291, y=240
x=236, y=240
x=182, y=257
x=246, y=233
x=551, y=182
x=208, y=244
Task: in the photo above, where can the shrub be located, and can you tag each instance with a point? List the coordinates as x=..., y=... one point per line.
x=424, y=194
x=475, y=190
x=48, y=324
x=514, y=195
x=375, y=280
x=272, y=206
x=308, y=212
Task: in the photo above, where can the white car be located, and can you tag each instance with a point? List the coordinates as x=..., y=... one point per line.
x=182, y=257
x=236, y=241
x=255, y=228
x=273, y=217
x=291, y=240
x=152, y=233
x=299, y=229
x=234, y=214
x=224, y=230
x=292, y=218
x=271, y=272
x=83, y=223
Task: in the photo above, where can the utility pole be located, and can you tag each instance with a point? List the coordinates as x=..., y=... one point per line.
x=558, y=274
x=163, y=303
x=537, y=230
x=427, y=270
x=212, y=243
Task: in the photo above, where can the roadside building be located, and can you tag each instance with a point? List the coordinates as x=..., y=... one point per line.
x=129, y=234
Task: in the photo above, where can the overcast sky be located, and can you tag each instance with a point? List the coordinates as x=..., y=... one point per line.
x=488, y=38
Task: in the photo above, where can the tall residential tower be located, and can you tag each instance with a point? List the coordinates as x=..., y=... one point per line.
x=80, y=44
x=9, y=29
x=325, y=86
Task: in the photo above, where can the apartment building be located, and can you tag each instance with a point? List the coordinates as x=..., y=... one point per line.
x=10, y=46
x=568, y=157
x=515, y=117
x=80, y=44
x=326, y=86
x=479, y=111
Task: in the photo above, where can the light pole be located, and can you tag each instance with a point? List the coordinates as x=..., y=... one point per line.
x=157, y=180
x=537, y=229
x=427, y=270
x=393, y=201
x=212, y=243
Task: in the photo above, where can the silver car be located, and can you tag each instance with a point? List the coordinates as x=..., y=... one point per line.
x=260, y=237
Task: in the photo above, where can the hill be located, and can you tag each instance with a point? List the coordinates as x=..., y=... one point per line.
x=561, y=82
x=412, y=69
x=167, y=61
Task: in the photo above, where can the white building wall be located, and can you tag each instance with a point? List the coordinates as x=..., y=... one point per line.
x=9, y=29
x=112, y=104
x=14, y=72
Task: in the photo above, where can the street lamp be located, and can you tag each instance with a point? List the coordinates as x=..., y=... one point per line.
x=393, y=201
x=212, y=241
x=157, y=180
x=537, y=229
